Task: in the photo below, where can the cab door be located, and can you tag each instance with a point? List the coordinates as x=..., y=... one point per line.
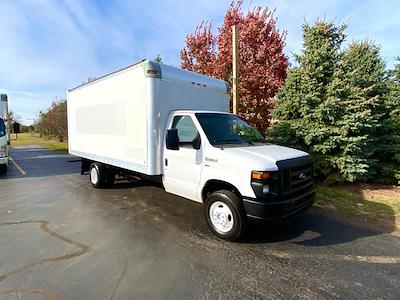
x=183, y=167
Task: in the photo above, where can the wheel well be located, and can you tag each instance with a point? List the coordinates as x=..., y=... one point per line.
x=216, y=185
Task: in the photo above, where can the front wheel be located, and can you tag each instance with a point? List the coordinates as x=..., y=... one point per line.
x=225, y=215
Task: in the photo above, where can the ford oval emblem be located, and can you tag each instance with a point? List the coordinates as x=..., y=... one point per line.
x=302, y=175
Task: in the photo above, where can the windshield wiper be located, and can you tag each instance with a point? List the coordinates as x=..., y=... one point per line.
x=228, y=141
x=252, y=142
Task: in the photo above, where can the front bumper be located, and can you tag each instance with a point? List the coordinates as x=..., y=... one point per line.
x=257, y=210
x=3, y=160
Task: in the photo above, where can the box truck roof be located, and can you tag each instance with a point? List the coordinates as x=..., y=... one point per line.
x=154, y=69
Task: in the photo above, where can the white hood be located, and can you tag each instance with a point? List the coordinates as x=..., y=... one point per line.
x=273, y=153
x=257, y=157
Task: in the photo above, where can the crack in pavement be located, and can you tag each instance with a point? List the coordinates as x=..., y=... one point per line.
x=44, y=227
x=119, y=279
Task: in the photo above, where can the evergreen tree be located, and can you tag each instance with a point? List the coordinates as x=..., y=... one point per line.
x=332, y=102
x=158, y=58
x=388, y=134
x=305, y=116
x=357, y=92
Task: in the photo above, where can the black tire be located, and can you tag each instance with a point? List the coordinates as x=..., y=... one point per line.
x=237, y=214
x=109, y=177
x=3, y=168
x=96, y=175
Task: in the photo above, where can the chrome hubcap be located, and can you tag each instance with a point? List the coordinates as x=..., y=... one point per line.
x=93, y=175
x=221, y=217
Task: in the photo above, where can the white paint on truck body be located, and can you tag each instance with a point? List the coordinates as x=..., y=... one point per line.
x=193, y=169
x=120, y=119
x=126, y=119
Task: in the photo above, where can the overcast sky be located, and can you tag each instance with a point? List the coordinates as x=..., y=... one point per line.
x=49, y=46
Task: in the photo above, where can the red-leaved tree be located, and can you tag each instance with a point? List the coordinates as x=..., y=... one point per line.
x=262, y=68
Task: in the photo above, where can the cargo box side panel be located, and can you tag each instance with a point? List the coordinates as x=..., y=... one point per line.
x=107, y=120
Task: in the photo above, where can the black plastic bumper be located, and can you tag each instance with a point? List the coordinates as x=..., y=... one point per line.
x=277, y=210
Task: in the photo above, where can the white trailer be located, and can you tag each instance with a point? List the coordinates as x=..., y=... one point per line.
x=158, y=121
x=4, y=134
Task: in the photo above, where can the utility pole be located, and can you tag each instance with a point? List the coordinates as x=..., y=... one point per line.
x=235, y=71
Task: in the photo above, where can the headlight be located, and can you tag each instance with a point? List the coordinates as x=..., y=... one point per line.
x=264, y=183
x=266, y=189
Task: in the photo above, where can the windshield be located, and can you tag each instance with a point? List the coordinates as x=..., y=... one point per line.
x=228, y=129
x=2, y=128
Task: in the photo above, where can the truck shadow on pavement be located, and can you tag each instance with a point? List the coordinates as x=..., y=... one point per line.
x=326, y=226
x=315, y=227
x=330, y=226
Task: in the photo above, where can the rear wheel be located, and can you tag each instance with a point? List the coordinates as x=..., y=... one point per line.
x=96, y=174
x=225, y=215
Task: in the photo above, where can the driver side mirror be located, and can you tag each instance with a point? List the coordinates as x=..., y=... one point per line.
x=172, y=139
x=196, y=142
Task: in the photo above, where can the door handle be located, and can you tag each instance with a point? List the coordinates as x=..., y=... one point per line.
x=166, y=162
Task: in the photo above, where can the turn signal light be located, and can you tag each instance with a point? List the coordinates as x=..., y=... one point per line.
x=260, y=176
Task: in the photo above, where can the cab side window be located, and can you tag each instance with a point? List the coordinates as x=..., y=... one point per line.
x=187, y=131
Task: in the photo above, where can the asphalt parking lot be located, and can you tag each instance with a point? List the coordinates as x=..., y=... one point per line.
x=62, y=239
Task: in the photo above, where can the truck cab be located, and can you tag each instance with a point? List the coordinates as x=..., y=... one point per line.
x=220, y=160
x=4, y=134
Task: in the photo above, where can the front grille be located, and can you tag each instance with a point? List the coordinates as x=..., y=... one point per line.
x=296, y=176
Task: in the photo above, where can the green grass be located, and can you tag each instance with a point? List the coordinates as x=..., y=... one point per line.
x=379, y=202
x=25, y=139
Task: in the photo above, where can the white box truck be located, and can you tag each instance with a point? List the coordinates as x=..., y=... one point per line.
x=161, y=122
x=4, y=134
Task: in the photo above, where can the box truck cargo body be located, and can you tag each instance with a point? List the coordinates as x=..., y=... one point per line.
x=156, y=121
x=120, y=119
x=4, y=134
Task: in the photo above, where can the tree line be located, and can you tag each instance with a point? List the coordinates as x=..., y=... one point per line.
x=342, y=106
x=53, y=122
